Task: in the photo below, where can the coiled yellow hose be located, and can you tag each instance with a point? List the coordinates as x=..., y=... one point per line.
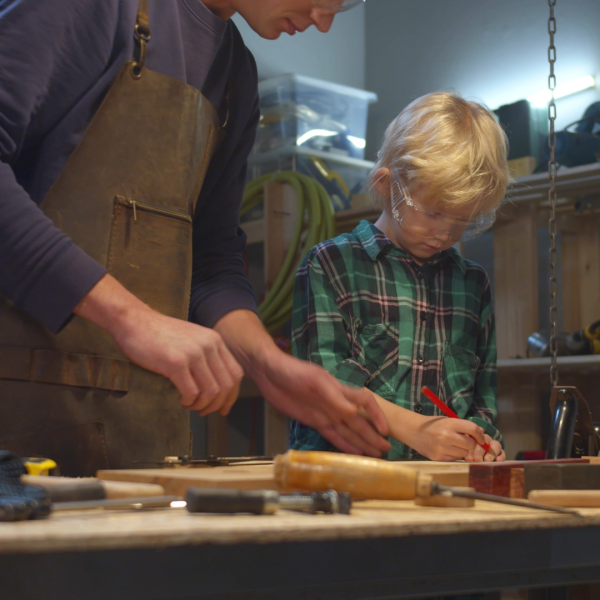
x=314, y=206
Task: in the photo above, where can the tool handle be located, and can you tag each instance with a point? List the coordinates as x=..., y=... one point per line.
x=573, y=498
x=73, y=489
x=362, y=477
x=227, y=500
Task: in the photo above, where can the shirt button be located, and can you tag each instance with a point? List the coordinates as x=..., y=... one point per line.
x=423, y=315
x=420, y=360
x=420, y=275
x=418, y=408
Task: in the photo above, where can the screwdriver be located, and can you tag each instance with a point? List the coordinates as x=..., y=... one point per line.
x=450, y=413
x=366, y=478
x=264, y=502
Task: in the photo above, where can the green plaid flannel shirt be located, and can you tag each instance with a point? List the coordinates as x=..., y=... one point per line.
x=371, y=316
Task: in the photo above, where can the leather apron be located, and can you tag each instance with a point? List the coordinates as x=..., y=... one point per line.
x=127, y=197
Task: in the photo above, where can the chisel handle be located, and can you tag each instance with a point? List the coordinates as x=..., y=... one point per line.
x=65, y=489
x=362, y=477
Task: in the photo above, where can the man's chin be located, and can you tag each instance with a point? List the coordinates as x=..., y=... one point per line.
x=268, y=33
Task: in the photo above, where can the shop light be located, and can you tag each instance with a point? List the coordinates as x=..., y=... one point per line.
x=541, y=99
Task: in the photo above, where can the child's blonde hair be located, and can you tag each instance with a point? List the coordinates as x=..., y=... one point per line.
x=451, y=146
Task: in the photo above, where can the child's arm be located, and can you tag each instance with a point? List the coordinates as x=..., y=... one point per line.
x=436, y=438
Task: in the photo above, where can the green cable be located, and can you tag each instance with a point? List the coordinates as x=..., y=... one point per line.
x=314, y=204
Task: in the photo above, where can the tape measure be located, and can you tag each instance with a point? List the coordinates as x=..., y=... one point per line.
x=40, y=466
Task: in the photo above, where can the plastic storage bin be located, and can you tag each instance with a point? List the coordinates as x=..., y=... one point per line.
x=340, y=175
x=312, y=114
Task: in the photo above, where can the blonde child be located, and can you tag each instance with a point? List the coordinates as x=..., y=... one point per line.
x=392, y=306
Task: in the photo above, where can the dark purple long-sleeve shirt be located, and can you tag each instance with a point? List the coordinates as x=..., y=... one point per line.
x=58, y=59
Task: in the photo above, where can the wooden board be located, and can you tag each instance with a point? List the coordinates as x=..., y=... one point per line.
x=508, y=478
x=562, y=477
x=176, y=481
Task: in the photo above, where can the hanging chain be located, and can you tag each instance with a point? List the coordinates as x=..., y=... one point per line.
x=552, y=196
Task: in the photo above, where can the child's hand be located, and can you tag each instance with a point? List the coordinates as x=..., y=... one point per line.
x=479, y=454
x=444, y=439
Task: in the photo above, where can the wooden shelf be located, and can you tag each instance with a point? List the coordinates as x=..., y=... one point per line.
x=575, y=181
x=567, y=363
x=340, y=159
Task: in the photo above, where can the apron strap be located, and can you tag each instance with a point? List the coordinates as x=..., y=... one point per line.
x=141, y=34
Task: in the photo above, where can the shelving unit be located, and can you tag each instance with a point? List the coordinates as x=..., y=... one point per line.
x=522, y=381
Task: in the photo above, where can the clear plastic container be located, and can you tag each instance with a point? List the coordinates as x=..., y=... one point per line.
x=313, y=115
x=341, y=176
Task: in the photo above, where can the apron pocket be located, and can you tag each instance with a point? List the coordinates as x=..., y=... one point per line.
x=45, y=365
x=150, y=253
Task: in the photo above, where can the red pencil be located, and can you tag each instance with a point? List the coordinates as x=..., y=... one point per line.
x=450, y=413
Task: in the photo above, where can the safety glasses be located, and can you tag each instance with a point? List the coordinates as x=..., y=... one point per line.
x=432, y=223
x=336, y=5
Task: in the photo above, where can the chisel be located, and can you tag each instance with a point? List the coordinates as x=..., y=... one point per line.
x=367, y=478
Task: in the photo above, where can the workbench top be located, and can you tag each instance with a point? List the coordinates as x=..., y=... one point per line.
x=163, y=528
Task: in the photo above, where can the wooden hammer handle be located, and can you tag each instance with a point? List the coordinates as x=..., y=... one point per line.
x=363, y=477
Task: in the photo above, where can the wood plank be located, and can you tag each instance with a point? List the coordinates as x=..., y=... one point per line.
x=580, y=270
x=177, y=481
x=516, y=283
x=257, y=476
x=589, y=272
x=216, y=428
x=562, y=477
x=280, y=215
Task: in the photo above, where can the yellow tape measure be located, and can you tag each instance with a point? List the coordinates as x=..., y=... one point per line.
x=40, y=466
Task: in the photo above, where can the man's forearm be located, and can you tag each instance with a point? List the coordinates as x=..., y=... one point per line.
x=247, y=339
x=108, y=304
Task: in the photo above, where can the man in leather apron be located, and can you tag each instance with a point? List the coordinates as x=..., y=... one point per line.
x=108, y=384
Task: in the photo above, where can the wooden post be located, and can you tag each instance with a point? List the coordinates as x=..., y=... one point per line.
x=516, y=279
x=216, y=428
x=580, y=270
x=279, y=217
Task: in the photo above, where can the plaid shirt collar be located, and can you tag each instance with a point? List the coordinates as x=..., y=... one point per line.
x=374, y=241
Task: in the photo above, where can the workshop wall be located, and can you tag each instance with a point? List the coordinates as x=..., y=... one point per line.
x=494, y=52
x=337, y=56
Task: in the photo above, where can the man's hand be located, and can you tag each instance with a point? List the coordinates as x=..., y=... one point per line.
x=194, y=358
x=478, y=454
x=303, y=390
x=308, y=393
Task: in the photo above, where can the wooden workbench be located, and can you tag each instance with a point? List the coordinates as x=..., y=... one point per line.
x=384, y=549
